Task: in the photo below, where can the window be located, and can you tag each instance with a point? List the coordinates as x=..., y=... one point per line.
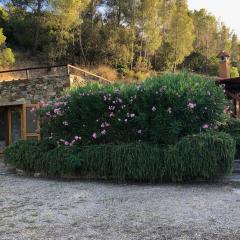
x=31, y=120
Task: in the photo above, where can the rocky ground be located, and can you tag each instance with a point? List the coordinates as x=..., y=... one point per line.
x=33, y=208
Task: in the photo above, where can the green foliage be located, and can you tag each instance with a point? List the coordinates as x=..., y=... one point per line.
x=135, y=34
x=6, y=54
x=42, y=157
x=23, y=155
x=141, y=76
x=234, y=72
x=195, y=62
x=232, y=127
x=181, y=34
x=160, y=111
x=204, y=156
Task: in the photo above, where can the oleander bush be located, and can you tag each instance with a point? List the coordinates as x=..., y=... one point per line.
x=160, y=111
x=203, y=156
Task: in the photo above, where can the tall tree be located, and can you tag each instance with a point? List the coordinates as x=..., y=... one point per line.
x=6, y=54
x=224, y=39
x=181, y=35
x=235, y=49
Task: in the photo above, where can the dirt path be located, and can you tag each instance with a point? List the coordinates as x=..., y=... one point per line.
x=44, y=209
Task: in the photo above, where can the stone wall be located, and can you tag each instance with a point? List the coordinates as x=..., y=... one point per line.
x=33, y=90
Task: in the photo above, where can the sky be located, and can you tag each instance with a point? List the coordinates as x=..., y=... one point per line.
x=226, y=11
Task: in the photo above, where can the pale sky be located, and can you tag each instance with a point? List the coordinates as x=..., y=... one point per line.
x=227, y=10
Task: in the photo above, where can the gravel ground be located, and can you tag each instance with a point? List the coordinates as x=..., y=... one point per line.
x=33, y=208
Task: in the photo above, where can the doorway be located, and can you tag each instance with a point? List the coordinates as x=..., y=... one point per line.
x=3, y=129
x=10, y=126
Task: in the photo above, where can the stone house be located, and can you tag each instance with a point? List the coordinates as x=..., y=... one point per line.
x=19, y=97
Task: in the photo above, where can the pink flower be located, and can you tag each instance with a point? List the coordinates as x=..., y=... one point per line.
x=77, y=138
x=94, y=135
x=205, y=126
x=66, y=143
x=57, y=111
x=112, y=108
x=58, y=104
x=107, y=124
x=191, y=105
x=103, y=132
x=42, y=104
x=33, y=110
x=65, y=123
x=154, y=109
x=111, y=114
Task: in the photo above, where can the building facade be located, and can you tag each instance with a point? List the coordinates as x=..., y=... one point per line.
x=19, y=97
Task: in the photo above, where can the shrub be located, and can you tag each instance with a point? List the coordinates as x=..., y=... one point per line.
x=141, y=76
x=107, y=72
x=43, y=157
x=130, y=74
x=234, y=72
x=122, y=69
x=23, y=155
x=232, y=127
x=160, y=111
x=203, y=156
x=60, y=161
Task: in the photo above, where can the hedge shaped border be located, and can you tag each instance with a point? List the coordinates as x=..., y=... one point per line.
x=205, y=156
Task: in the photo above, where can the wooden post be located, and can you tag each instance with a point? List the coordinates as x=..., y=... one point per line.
x=24, y=122
x=27, y=74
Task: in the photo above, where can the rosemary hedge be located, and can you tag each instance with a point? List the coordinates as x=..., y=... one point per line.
x=232, y=127
x=203, y=156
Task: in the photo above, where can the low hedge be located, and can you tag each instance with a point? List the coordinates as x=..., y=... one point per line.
x=42, y=157
x=232, y=127
x=204, y=156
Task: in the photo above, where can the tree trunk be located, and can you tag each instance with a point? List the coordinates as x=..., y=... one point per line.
x=81, y=47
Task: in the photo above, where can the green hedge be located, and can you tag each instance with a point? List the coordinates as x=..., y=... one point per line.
x=160, y=111
x=203, y=156
x=42, y=157
x=232, y=127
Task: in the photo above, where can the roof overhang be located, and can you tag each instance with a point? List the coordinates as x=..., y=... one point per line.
x=230, y=84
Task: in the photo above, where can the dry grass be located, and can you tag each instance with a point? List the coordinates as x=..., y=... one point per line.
x=107, y=72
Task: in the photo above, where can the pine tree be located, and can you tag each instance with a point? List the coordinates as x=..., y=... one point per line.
x=6, y=54
x=235, y=49
x=180, y=36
